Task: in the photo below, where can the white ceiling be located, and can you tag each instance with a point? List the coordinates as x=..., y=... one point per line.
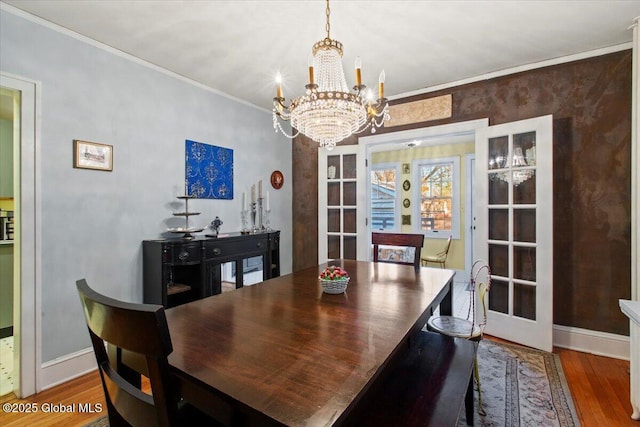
x=236, y=47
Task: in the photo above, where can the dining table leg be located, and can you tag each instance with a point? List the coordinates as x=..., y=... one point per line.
x=446, y=305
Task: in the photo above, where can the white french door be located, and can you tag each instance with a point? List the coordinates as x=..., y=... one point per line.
x=342, y=213
x=514, y=228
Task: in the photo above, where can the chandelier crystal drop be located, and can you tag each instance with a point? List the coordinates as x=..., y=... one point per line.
x=329, y=112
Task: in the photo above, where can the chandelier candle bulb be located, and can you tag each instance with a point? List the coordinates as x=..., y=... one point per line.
x=381, y=85
x=279, y=85
x=358, y=71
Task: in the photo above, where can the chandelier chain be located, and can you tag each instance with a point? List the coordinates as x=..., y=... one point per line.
x=328, y=26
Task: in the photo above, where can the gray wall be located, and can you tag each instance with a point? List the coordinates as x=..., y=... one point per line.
x=93, y=222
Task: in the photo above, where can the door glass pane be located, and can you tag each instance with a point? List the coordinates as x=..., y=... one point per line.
x=499, y=224
x=525, y=193
x=349, y=221
x=524, y=301
x=498, y=189
x=499, y=296
x=524, y=263
x=333, y=220
x=499, y=260
x=349, y=165
x=333, y=194
x=498, y=152
x=333, y=167
x=524, y=225
x=349, y=247
x=333, y=245
x=349, y=194
x=526, y=144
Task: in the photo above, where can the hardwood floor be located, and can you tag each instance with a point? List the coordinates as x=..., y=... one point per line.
x=599, y=386
x=42, y=406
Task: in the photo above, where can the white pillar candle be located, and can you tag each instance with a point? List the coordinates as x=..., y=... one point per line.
x=260, y=189
x=244, y=201
x=253, y=193
x=268, y=201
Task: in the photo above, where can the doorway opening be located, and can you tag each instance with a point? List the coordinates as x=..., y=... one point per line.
x=408, y=149
x=24, y=234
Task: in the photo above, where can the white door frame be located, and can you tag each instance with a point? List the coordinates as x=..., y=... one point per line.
x=433, y=135
x=470, y=214
x=26, y=286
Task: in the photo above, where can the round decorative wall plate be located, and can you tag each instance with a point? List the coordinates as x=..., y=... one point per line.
x=406, y=203
x=406, y=185
x=277, y=180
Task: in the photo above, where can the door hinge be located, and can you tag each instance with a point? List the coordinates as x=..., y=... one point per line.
x=366, y=222
x=366, y=163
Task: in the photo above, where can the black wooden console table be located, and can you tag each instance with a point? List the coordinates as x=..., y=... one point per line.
x=176, y=271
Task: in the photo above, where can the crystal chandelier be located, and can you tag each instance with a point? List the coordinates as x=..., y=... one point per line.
x=328, y=112
x=520, y=167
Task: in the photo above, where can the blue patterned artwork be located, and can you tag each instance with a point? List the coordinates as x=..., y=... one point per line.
x=209, y=171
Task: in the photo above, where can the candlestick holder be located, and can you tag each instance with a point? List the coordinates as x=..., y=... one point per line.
x=254, y=208
x=244, y=214
x=260, y=223
x=267, y=219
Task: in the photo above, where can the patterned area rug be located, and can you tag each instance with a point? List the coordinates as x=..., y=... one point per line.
x=522, y=387
x=100, y=422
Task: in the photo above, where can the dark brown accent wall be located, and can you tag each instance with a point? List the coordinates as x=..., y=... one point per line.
x=591, y=105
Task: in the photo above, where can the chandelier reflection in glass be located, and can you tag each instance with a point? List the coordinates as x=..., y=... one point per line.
x=328, y=112
x=518, y=162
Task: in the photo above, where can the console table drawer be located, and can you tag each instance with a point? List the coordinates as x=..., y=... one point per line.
x=182, y=254
x=214, y=250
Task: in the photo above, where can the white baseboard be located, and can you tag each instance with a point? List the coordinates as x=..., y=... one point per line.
x=67, y=367
x=594, y=342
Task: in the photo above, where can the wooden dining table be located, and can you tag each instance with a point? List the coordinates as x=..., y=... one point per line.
x=282, y=352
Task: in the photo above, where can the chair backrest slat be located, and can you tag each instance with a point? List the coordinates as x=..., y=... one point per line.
x=398, y=239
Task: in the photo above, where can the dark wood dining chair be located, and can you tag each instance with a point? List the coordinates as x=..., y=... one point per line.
x=415, y=241
x=140, y=330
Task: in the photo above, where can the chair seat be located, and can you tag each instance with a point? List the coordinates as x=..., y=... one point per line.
x=454, y=327
x=433, y=258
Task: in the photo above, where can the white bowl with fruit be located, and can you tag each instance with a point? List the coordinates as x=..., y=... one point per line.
x=334, y=280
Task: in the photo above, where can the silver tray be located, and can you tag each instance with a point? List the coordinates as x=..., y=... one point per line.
x=185, y=230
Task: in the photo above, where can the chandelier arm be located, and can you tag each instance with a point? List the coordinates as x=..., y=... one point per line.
x=277, y=126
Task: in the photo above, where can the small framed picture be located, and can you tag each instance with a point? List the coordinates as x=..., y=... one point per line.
x=406, y=203
x=406, y=219
x=277, y=180
x=406, y=185
x=92, y=155
x=406, y=168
